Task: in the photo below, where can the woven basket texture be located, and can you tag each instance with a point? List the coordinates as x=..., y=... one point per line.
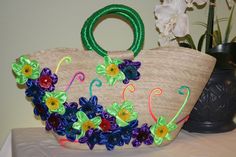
x=167, y=68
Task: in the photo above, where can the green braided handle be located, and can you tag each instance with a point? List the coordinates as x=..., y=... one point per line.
x=123, y=11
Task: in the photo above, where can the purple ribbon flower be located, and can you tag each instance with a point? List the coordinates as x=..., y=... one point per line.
x=47, y=80
x=142, y=135
x=40, y=109
x=130, y=69
x=108, y=122
x=56, y=123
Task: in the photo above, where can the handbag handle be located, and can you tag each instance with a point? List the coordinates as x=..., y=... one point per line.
x=123, y=11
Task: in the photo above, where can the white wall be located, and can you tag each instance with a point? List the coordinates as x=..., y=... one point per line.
x=27, y=26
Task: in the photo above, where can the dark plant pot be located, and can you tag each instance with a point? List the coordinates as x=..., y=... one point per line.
x=216, y=107
x=225, y=54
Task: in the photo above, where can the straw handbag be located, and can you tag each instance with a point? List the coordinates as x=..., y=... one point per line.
x=111, y=99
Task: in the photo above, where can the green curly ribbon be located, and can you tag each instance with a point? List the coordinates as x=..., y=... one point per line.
x=182, y=92
x=123, y=11
x=98, y=84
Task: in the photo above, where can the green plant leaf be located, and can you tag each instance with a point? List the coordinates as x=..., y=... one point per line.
x=200, y=42
x=201, y=24
x=229, y=26
x=216, y=38
x=219, y=35
x=189, y=39
x=234, y=39
x=223, y=19
x=210, y=23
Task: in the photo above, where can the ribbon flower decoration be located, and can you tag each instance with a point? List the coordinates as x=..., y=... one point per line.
x=117, y=70
x=25, y=69
x=90, y=123
x=161, y=130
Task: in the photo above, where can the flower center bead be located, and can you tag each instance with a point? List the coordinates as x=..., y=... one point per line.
x=105, y=125
x=40, y=109
x=27, y=70
x=130, y=72
x=87, y=125
x=45, y=81
x=52, y=103
x=161, y=131
x=54, y=121
x=142, y=136
x=112, y=70
x=124, y=115
x=89, y=109
x=114, y=139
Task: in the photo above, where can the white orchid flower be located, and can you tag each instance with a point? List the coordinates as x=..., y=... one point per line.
x=171, y=18
x=178, y=4
x=231, y=3
x=198, y=2
x=167, y=41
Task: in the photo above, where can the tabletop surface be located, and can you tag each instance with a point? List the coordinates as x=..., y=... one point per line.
x=36, y=142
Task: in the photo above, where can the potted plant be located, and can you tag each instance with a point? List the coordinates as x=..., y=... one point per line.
x=216, y=107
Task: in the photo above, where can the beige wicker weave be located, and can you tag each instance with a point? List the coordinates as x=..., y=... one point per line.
x=167, y=68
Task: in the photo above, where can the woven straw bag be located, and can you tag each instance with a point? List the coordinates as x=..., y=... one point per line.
x=167, y=68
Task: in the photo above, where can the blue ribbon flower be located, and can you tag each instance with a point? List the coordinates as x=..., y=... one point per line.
x=130, y=69
x=126, y=132
x=70, y=113
x=90, y=107
x=93, y=137
x=70, y=132
x=34, y=90
x=113, y=138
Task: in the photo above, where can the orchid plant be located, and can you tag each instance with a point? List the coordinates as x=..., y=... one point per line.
x=172, y=21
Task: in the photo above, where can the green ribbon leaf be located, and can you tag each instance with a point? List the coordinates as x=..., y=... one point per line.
x=158, y=140
x=120, y=122
x=82, y=117
x=107, y=61
x=96, y=121
x=161, y=121
x=61, y=96
x=101, y=69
